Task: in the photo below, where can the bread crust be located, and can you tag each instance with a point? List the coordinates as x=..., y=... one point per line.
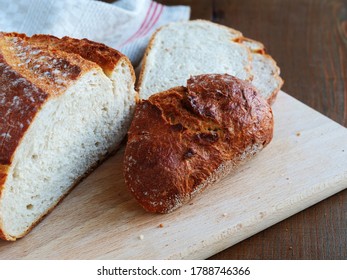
x=104, y=56
x=107, y=58
x=184, y=139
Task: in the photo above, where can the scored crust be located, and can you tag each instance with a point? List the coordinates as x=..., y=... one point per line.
x=184, y=139
x=106, y=57
x=40, y=75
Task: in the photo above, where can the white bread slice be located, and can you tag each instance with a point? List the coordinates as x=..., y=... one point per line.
x=179, y=50
x=60, y=116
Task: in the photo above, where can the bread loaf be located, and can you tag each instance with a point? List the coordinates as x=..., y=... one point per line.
x=186, y=138
x=179, y=50
x=65, y=104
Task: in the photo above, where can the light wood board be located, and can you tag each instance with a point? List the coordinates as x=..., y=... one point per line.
x=305, y=163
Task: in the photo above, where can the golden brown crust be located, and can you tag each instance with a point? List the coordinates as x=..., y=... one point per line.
x=50, y=70
x=106, y=57
x=182, y=139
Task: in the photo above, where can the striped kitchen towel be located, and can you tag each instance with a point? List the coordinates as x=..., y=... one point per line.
x=125, y=25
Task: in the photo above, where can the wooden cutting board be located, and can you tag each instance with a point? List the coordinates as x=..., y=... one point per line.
x=305, y=163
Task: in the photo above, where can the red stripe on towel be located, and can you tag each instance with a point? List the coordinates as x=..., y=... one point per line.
x=144, y=23
x=153, y=22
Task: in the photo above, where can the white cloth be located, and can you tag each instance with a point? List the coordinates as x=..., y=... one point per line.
x=125, y=25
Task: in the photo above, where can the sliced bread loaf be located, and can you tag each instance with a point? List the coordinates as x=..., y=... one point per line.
x=179, y=50
x=60, y=116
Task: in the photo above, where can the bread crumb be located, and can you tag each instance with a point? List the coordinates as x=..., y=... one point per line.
x=161, y=225
x=298, y=134
x=141, y=237
x=225, y=214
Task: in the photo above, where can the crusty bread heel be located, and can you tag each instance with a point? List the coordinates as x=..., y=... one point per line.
x=184, y=139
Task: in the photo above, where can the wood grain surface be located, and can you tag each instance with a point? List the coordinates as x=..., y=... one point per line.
x=308, y=39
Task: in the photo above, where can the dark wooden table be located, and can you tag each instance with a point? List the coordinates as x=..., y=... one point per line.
x=308, y=39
